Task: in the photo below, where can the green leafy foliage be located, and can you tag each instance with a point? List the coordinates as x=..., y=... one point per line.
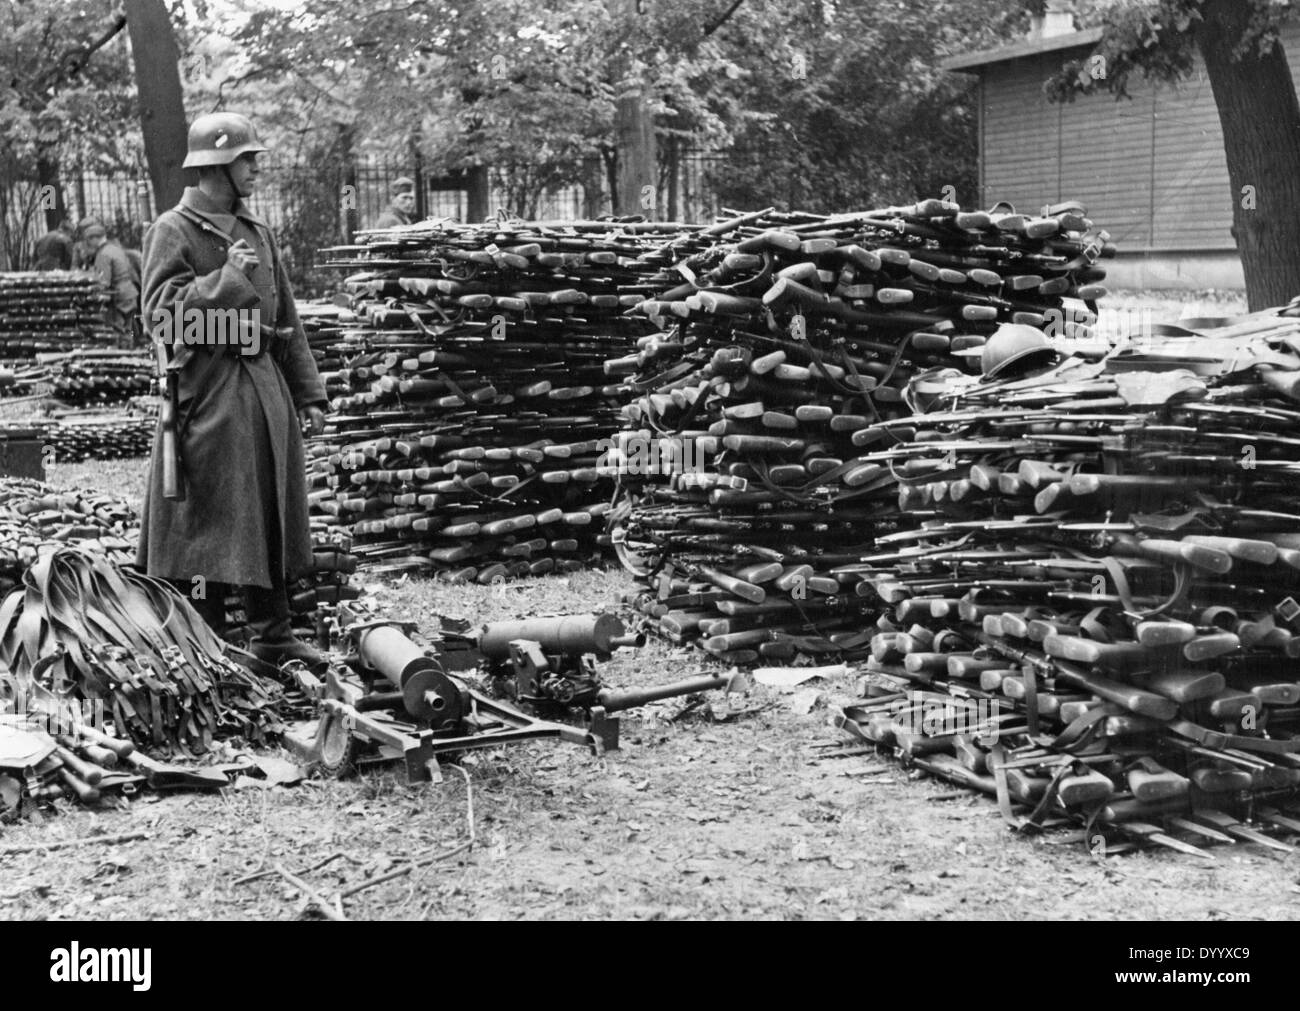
x=847, y=107
x=1158, y=39
x=66, y=96
x=819, y=103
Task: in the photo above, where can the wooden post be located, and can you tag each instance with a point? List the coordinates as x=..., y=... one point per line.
x=158, y=82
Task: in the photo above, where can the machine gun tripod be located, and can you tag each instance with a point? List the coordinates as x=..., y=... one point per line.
x=395, y=699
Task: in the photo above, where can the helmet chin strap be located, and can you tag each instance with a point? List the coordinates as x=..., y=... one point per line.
x=234, y=190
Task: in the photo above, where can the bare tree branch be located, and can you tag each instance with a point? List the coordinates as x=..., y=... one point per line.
x=724, y=19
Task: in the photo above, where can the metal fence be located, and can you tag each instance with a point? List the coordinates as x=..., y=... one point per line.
x=312, y=206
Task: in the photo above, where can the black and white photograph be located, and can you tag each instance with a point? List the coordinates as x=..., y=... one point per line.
x=650, y=460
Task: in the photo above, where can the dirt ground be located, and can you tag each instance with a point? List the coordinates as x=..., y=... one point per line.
x=693, y=818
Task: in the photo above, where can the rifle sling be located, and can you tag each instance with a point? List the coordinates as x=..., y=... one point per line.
x=201, y=387
x=997, y=764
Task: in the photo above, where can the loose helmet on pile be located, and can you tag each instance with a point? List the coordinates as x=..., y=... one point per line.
x=1014, y=347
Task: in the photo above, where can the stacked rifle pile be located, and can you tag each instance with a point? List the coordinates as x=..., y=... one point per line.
x=51, y=311
x=116, y=435
x=322, y=324
x=20, y=378
x=755, y=452
x=315, y=595
x=1103, y=571
x=473, y=394
x=100, y=377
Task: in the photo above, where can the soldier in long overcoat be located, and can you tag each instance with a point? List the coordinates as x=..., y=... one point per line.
x=243, y=520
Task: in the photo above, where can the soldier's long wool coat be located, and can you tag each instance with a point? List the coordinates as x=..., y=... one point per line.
x=245, y=511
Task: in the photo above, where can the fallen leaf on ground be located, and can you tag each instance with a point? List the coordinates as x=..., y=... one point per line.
x=803, y=703
x=792, y=677
x=279, y=770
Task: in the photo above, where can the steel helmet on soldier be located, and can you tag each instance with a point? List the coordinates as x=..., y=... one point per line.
x=1011, y=344
x=218, y=138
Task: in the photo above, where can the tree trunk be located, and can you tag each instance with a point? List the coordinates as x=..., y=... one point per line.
x=162, y=112
x=634, y=132
x=477, y=196
x=417, y=161
x=350, y=218
x=636, y=153
x=671, y=162
x=610, y=157
x=591, y=187
x=1260, y=116
x=49, y=198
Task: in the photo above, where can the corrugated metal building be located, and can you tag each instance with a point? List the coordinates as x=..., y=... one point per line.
x=1151, y=170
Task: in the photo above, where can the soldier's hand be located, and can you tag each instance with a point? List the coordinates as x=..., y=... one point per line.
x=313, y=420
x=242, y=256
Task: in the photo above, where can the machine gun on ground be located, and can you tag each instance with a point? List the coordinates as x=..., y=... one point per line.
x=395, y=699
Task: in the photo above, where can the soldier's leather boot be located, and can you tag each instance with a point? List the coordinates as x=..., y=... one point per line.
x=211, y=608
x=273, y=640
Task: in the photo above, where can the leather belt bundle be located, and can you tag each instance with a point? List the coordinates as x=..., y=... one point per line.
x=82, y=628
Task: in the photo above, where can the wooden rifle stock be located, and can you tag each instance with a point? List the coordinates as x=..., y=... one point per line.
x=168, y=420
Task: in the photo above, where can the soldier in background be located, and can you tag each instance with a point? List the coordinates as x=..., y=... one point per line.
x=54, y=249
x=402, y=205
x=118, y=274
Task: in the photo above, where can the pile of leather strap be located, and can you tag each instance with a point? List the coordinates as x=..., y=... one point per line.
x=471, y=398
x=80, y=629
x=753, y=461
x=51, y=311
x=1094, y=615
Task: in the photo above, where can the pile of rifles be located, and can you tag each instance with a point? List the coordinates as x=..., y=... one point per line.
x=752, y=451
x=314, y=596
x=53, y=310
x=1075, y=590
x=103, y=377
x=115, y=435
x=471, y=403
x=1094, y=611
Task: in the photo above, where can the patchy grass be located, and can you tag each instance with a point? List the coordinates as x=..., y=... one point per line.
x=125, y=478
